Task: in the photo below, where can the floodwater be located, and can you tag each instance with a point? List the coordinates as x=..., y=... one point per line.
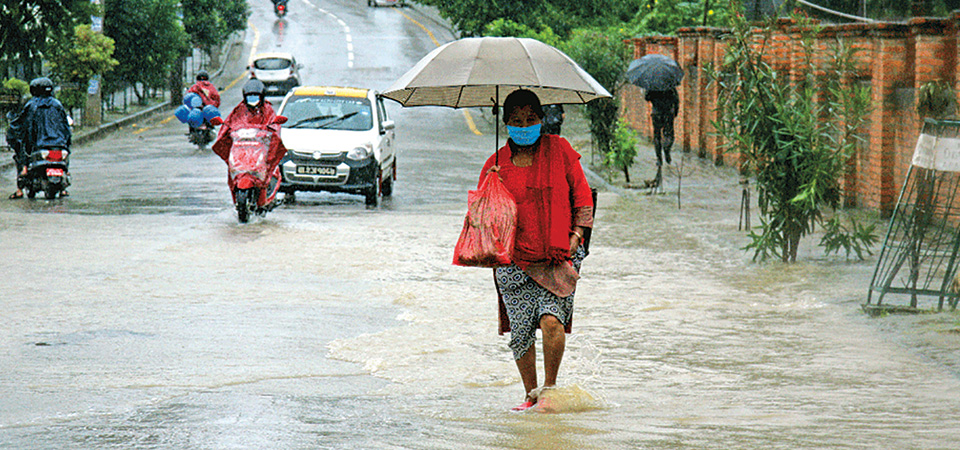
x=139, y=315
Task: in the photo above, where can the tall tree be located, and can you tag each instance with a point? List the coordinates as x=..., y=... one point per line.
x=78, y=60
x=209, y=22
x=29, y=27
x=470, y=16
x=149, y=42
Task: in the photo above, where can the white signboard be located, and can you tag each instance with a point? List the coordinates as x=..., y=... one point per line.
x=934, y=153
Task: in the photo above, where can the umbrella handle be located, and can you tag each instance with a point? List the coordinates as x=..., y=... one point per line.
x=496, y=125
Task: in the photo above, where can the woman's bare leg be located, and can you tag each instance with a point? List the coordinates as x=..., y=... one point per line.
x=527, y=364
x=554, y=342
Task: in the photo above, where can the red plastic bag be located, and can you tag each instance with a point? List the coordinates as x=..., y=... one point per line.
x=489, y=228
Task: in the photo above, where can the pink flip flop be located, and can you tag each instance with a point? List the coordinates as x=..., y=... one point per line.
x=523, y=406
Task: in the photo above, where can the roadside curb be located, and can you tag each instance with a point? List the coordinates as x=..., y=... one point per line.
x=434, y=16
x=120, y=123
x=105, y=129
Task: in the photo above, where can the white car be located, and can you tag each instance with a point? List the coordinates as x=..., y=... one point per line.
x=386, y=2
x=278, y=71
x=338, y=139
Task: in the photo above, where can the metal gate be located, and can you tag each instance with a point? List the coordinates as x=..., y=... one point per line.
x=919, y=255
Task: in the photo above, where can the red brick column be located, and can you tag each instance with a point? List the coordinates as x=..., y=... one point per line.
x=632, y=106
x=689, y=59
x=856, y=36
x=935, y=46
x=891, y=70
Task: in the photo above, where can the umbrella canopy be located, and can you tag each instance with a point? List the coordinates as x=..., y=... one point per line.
x=655, y=72
x=474, y=72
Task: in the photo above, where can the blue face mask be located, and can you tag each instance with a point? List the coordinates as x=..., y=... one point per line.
x=524, y=136
x=253, y=100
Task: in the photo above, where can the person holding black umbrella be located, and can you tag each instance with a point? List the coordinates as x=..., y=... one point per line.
x=664, y=108
x=659, y=76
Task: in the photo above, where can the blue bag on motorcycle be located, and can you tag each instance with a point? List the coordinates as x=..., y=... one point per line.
x=195, y=118
x=182, y=113
x=209, y=112
x=192, y=100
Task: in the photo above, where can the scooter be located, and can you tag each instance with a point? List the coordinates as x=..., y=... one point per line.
x=254, y=190
x=202, y=135
x=47, y=172
x=280, y=8
x=199, y=119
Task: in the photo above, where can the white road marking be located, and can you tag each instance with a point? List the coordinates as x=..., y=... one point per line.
x=343, y=25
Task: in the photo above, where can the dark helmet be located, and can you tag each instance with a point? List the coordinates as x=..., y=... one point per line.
x=203, y=76
x=254, y=87
x=41, y=87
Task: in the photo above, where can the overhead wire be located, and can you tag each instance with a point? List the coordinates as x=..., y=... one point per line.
x=836, y=13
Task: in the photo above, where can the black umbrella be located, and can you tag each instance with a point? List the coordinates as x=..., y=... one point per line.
x=655, y=72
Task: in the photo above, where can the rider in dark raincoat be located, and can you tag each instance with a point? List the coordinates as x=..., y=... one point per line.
x=42, y=123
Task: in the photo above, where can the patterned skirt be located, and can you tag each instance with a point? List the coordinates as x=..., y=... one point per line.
x=526, y=301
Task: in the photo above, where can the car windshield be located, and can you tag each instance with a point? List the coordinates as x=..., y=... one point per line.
x=328, y=112
x=271, y=64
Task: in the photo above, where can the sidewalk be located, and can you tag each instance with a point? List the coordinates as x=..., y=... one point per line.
x=85, y=135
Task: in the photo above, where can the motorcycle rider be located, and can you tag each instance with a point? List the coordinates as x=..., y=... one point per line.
x=42, y=123
x=205, y=89
x=254, y=109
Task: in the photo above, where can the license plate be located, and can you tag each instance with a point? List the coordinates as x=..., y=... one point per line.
x=314, y=170
x=54, y=172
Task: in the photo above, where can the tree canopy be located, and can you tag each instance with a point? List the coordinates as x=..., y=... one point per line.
x=209, y=22
x=149, y=41
x=29, y=27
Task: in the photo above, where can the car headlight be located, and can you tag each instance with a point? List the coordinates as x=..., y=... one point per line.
x=359, y=153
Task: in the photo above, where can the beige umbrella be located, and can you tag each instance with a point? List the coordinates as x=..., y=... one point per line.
x=475, y=72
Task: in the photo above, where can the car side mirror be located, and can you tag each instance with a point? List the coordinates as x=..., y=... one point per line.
x=280, y=120
x=388, y=125
x=216, y=121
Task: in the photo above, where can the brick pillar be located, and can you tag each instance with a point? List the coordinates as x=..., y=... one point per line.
x=856, y=36
x=890, y=70
x=955, y=50
x=632, y=106
x=708, y=92
x=689, y=59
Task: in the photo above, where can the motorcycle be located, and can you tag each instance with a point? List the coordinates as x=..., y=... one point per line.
x=280, y=8
x=254, y=190
x=198, y=118
x=47, y=172
x=202, y=135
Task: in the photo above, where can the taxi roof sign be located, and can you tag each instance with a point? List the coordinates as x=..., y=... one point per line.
x=331, y=91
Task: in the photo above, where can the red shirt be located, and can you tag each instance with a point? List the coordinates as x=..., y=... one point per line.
x=545, y=203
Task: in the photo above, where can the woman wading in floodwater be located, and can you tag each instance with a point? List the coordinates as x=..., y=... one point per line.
x=554, y=209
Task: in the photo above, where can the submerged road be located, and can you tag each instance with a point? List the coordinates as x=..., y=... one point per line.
x=138, y=314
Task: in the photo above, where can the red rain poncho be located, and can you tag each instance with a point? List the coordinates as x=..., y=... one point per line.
x=207, y=91
x=242, y=117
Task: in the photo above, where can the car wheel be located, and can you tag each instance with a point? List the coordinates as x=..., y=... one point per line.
x=372, y=194
x=387, y=187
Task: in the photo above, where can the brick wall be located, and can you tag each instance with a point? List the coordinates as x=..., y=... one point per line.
x=894, y=59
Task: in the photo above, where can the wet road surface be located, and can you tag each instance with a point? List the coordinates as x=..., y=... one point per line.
x=139, y=314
